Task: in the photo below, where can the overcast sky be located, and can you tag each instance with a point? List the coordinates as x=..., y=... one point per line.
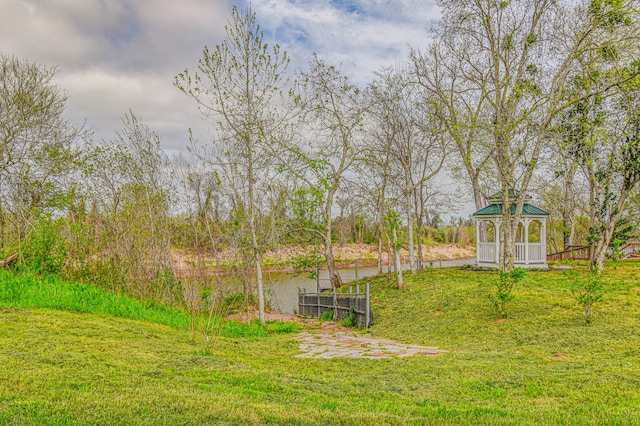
x=113, y=55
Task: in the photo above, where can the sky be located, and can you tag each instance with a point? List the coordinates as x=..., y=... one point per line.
x=116, y=55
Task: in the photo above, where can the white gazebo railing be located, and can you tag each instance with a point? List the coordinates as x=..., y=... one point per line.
x=487, y=252
x=537, y=253
x=526, y=253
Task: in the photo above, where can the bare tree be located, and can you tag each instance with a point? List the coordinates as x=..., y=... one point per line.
x=237, y=86
x=405, y=126
x=332, y=124
x=611, y=162
x=128, y=185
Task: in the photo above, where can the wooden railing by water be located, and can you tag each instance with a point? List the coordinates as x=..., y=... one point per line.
x=584, y=252
x=571, y=253
x=632, y=248
x=315, y=304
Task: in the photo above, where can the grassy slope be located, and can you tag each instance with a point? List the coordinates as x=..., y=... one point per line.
x=542, y=366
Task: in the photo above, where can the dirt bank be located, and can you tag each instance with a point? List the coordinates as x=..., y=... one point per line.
x=345, y=255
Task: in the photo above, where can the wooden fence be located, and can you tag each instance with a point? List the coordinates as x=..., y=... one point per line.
x=358, y=303
x=632, y=248
x=571, y=253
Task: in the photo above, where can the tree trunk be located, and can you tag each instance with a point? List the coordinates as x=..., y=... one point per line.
x=412, y=256
x=396, y=258
x=389, y=262
x=334, y=275
x=508, y=231
x=420, y=258
x=380, y=253
x=261, y=301
x=568, y=227
x=599, y=250
x=257, y=258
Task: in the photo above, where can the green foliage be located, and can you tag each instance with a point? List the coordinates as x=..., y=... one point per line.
x=504, y=290
x=326, y=316
x=239, y=302
x=615, y=254
x=587, y=291
x=307, y=263
x=46, y=248
x=236, y=329
x=26, y=290
x=610, y=13
x=350, y=319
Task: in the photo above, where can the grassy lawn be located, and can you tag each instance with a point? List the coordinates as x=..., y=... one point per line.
x=543, y=365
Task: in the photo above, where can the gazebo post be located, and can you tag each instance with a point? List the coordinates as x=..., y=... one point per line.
x=478, y=242
x=496, y=238
x=526, y=241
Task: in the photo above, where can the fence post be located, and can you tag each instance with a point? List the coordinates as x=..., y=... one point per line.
x=368, y=307
x=300, y=301
x=335, y=304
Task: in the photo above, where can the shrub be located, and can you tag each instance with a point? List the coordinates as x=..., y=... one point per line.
x=350, y=319
x=504, y=290
x=46, y=248
x=587, y=292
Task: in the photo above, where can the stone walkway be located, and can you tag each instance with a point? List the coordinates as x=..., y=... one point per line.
x=349, y=345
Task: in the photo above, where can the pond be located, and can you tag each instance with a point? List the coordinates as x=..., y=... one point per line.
x=282, y=288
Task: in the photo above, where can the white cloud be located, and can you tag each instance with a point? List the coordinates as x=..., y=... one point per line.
x=362, y=35
x=113, y=55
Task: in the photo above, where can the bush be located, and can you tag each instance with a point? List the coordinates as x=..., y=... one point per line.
x=586, y=291
x=46, y=248
x=504, y=290
x=350, y=319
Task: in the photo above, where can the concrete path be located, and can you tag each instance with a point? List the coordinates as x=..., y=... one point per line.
x=351, y=345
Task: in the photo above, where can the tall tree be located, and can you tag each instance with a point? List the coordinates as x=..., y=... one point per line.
x=238, y=86
x=31, y=109
x=518, y=57
x=611, y=161
x=36, y=143
x=416, y=147
x=332, y=125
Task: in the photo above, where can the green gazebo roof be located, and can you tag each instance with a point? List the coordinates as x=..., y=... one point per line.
x=496, y=210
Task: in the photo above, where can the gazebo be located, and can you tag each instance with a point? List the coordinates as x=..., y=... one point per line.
x=531, y=237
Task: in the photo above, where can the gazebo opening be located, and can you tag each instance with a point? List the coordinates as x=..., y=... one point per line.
x=489, y=234
x=530, y=241
x=520, y=234
x=535, y=227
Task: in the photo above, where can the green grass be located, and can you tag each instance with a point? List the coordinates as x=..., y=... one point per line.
x=541, y=366
x=26, y=290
